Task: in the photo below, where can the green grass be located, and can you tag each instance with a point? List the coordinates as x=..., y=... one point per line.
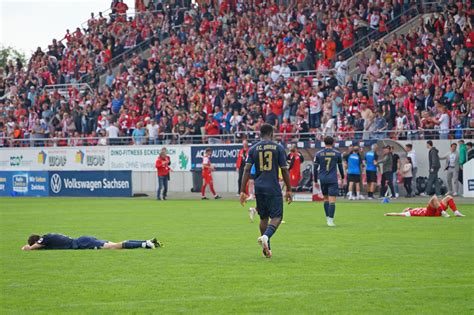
x=212, y=264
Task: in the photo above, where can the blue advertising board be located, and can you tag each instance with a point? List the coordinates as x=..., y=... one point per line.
x=90, y=183
x=24, y=183
x=224, y=157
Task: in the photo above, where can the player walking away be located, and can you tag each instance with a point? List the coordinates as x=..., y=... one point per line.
x=60, y=241
x=371, y=158
x=240, y=164
x=324, y=168
x=162, y=165
x=354, y=168
x=207, y=169
x=295, y=159
x=435, y=208
x=387, y=166
x=268, y=157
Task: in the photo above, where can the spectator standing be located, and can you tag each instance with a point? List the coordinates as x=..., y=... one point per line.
x=452, y=167
x=407, y=175
x=113, y=133
x=162, y=165
x=152, y=131
x=395, y=169
x=387, y=172
x=240, y=164
x=211, y=127
x=434, y=165
x=138, y=134
x=414, y=166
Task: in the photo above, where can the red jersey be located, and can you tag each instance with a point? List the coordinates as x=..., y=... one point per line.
x=425, y=212
x=295, y=159
x=163, y=166
x=241, y=158
x=206, y=167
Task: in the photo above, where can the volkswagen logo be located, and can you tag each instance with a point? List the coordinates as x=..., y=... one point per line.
x=56, y=183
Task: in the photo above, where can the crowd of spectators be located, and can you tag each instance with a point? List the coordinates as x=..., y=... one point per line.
x=228, y=68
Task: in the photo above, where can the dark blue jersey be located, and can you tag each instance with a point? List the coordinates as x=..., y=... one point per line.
x=326, y=163
x=268, y=157
x=56, y=241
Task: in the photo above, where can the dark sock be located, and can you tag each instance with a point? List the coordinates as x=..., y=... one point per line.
x=132, y=244
x=371, y=194
x=332, y=209
x=270, y=231
x=326, y=208
x=269, y=244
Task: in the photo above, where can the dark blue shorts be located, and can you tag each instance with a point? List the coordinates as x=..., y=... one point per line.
x=330, y=189
x=269, y=206
x=87, y=242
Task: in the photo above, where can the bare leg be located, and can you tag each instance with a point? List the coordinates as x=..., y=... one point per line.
x=395, y=214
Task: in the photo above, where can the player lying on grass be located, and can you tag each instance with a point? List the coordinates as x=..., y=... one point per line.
x=435, y=208
x=268, y=157
x=59, y=241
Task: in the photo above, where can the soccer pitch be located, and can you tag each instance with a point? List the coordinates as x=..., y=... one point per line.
x=211, y=262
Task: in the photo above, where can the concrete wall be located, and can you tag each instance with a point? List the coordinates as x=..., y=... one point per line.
x=147, y=182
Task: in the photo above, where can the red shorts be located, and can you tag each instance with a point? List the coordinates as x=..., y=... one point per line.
x=425, y=212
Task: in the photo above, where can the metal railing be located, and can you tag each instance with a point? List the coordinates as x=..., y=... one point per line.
x=238, y=137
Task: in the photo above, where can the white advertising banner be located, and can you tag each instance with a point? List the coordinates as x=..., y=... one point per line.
x=142, y=158
x=55, y=158
x=134, y=158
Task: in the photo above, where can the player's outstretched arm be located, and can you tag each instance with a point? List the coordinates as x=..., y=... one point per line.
x=32, y=247
x=245, y=179
x=286, y=178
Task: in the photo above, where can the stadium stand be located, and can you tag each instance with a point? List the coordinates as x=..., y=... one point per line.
x=194, y=74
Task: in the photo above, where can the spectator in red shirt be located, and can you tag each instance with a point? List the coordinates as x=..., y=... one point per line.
x=212, y=126
x=162, y=165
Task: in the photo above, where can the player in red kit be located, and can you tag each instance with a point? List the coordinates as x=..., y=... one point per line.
x=295, y=159
x=435, y=208
x=207, y=169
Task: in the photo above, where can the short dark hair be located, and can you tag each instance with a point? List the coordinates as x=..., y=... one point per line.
x=469, y=144
x=455, y=144
x=328, y=140
x=266, y=130
x=430, y=143
x=409, y=145
x=208, y=149
x=33, y=239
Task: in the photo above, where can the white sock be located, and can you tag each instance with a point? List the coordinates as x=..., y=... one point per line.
x=358, y=194
x=457, y=212
x=330, y=220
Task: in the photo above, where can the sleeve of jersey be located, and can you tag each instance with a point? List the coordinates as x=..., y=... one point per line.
x=282, y=157
x=340, y=167
x=250, y=159
x=43, y=240
x=315, y=169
